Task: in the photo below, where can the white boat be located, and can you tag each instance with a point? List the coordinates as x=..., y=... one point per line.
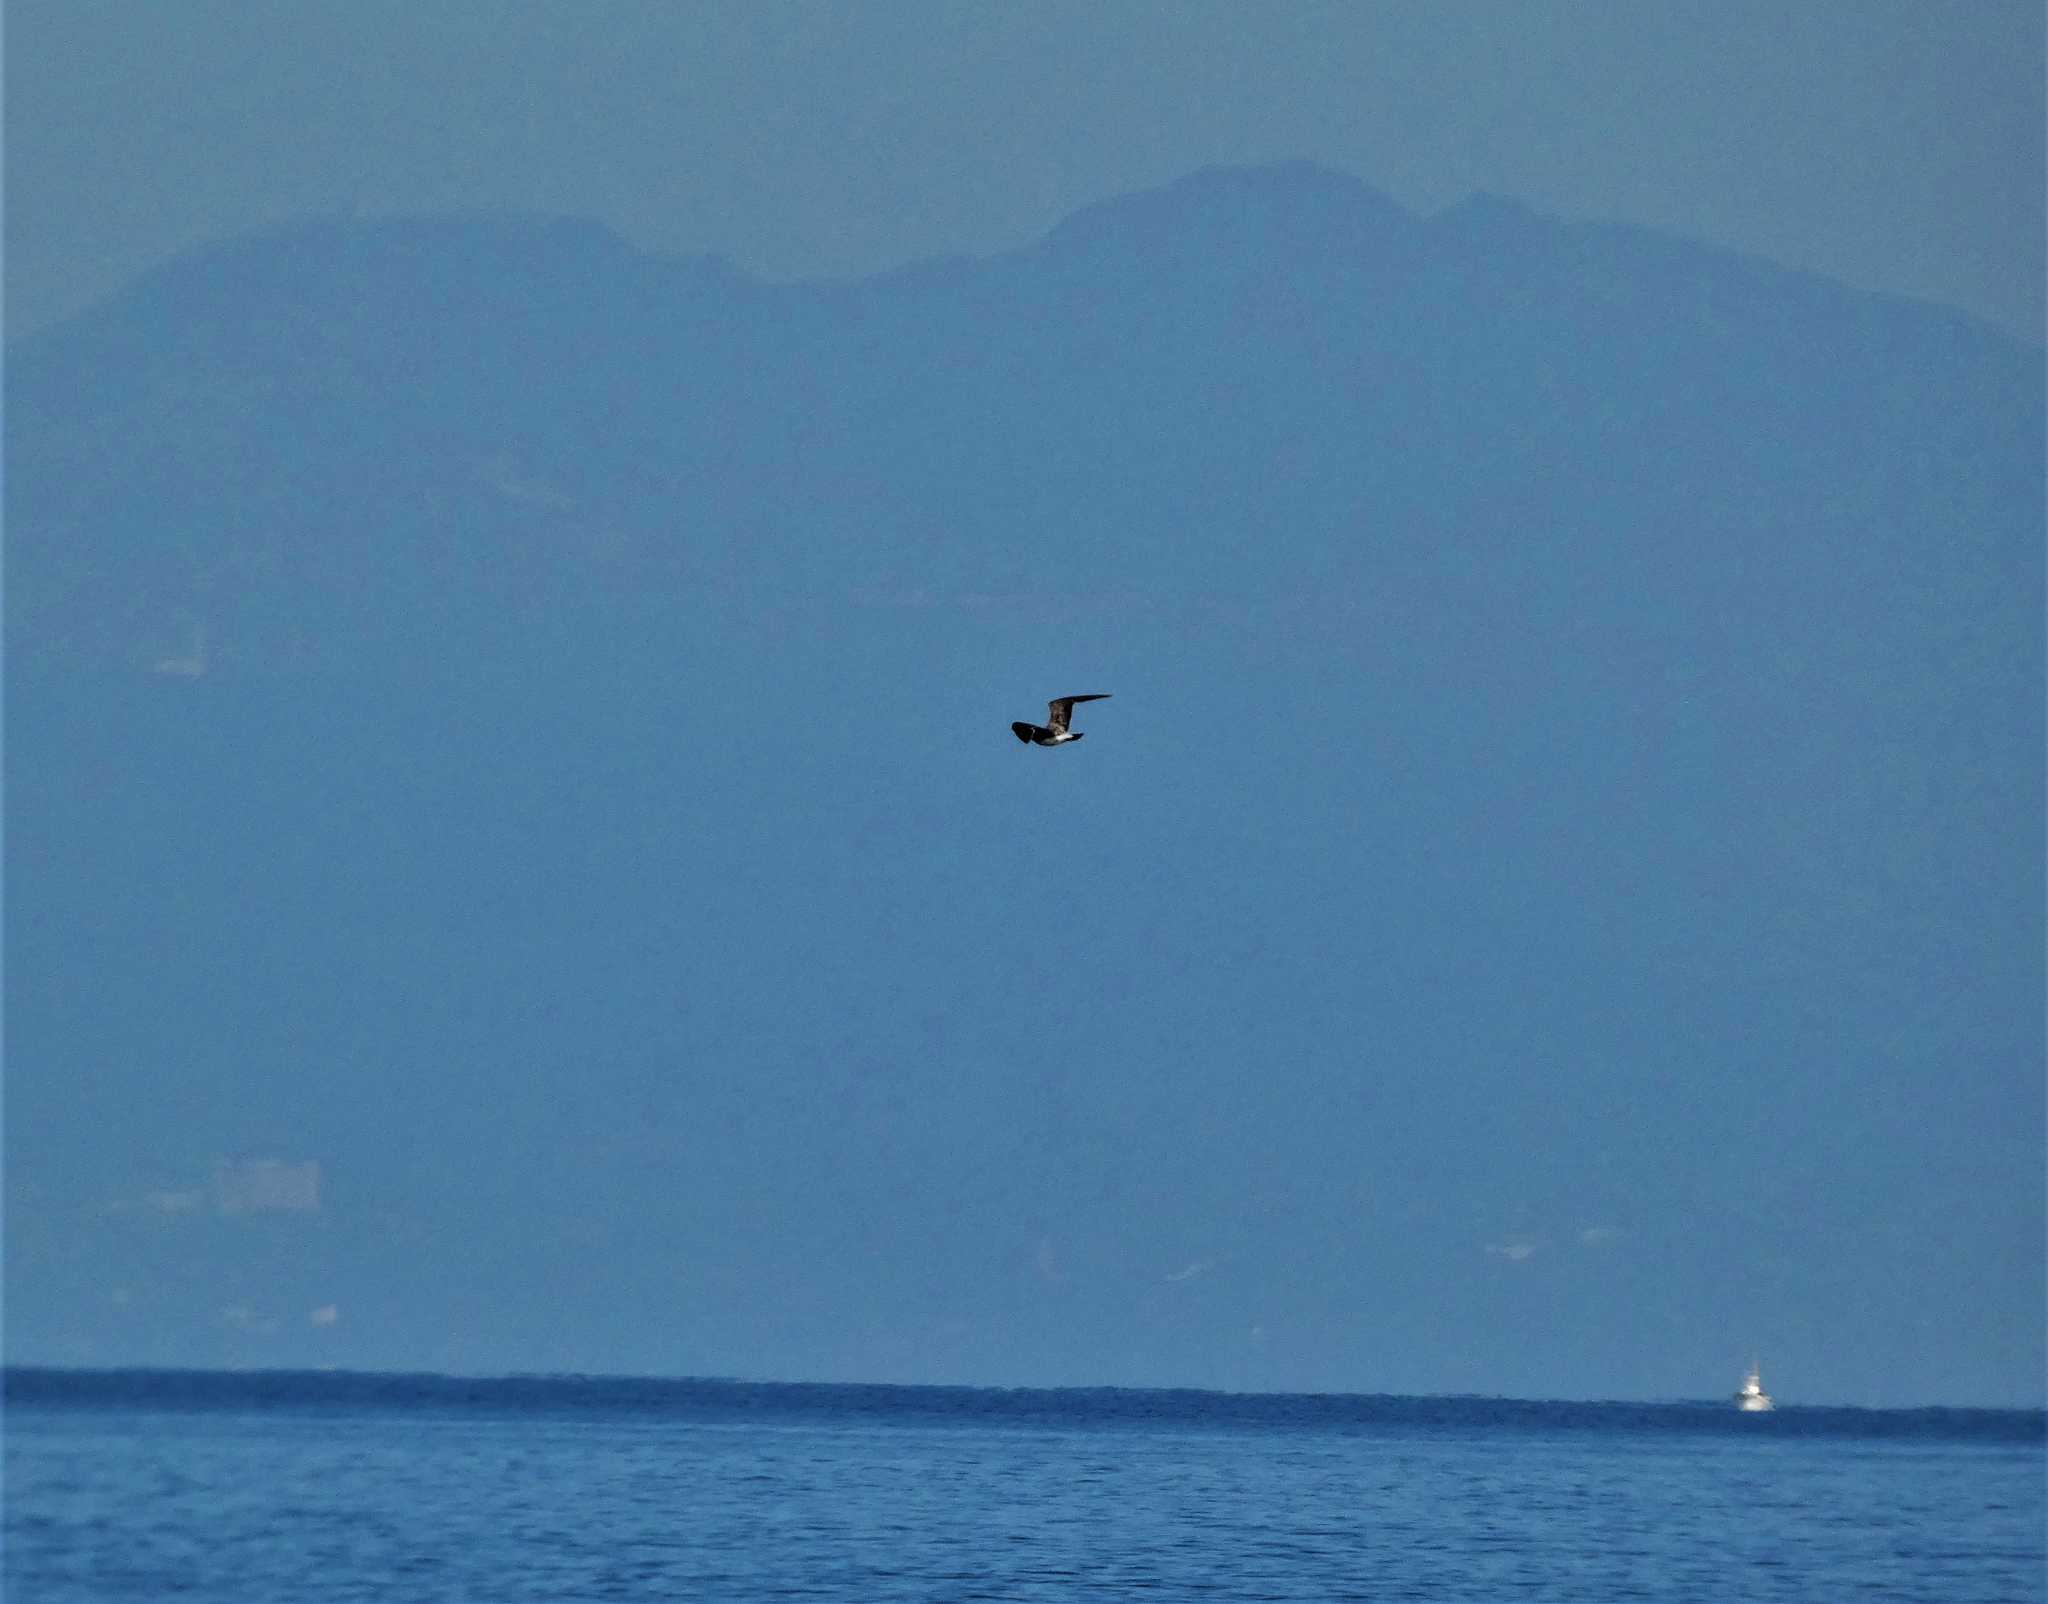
x=1752, y=1399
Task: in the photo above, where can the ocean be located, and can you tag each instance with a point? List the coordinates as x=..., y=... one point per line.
x=204, y=1486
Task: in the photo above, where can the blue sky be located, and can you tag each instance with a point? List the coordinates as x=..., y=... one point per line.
x=1593, y=951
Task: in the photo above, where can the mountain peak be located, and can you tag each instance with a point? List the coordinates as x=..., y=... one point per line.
x=1297, y=200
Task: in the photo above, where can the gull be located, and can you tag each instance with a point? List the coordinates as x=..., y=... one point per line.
x=1058, y=713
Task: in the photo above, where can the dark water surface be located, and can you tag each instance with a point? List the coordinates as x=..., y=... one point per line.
x=157, y=1485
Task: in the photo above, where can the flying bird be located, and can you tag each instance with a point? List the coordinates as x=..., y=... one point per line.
x=1058, y=714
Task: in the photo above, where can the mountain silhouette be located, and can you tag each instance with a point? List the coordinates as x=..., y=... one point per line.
x=1578, y=750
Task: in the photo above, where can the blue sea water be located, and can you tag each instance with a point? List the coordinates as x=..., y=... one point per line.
x=272, y=1486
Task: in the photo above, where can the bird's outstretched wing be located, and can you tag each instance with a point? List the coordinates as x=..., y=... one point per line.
x=1025, y=732
x=1061, y=709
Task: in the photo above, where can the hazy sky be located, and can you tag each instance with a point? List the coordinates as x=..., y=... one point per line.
x=537, y=876
x=1895, y=144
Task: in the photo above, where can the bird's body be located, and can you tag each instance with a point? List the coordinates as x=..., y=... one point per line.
x=1059, y=714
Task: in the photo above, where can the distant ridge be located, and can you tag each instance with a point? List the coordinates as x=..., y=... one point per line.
x=1300, y=203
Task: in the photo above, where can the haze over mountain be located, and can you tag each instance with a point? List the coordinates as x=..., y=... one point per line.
x=518, y=860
